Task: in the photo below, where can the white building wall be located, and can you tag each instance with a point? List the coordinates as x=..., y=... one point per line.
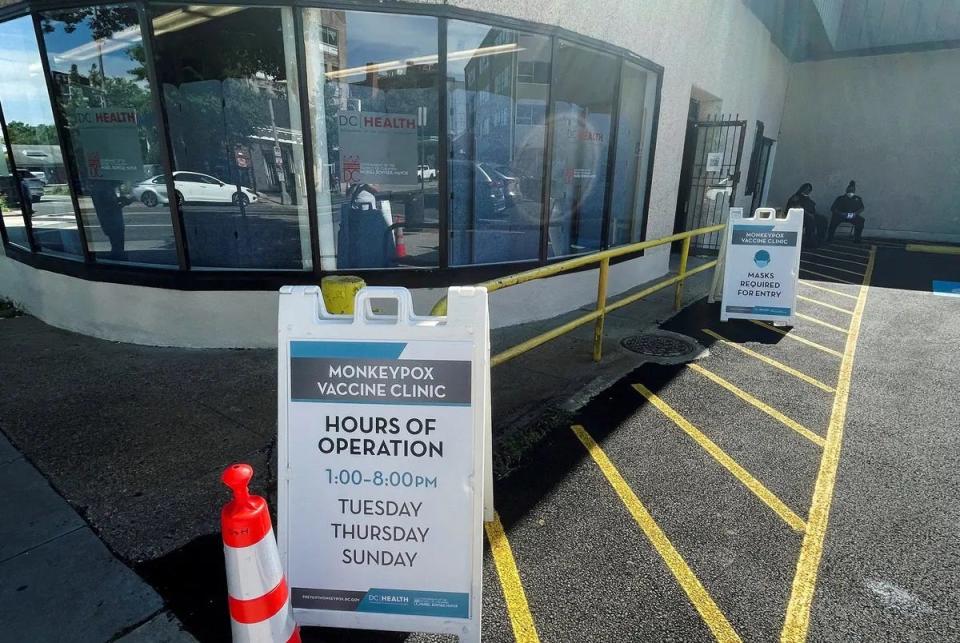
x=890, y=123
x=718, y=46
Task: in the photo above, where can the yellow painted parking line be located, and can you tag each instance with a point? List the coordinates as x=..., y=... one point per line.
x=940, y=250
x=798, y=338
x=822, y=323
x=820, y=256
x=749, y=399
x=829, y=267
x=772, y=362
x=524, y=631
x=825, y=289
x=691, y=585
x=826, y=276
x=797, y=621
x=728, y=463
x=825, y=305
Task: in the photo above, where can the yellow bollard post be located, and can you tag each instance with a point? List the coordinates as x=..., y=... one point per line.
x=601, y=306
x=440, y=308
x=684, y=254
x=339, y=292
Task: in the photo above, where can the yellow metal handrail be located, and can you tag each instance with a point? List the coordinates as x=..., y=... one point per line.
x=598, y=315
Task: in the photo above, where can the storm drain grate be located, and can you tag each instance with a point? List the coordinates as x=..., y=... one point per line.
x=663, y=346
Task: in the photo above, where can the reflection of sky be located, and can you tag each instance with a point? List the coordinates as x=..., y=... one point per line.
x=23, y=91
x=464, y=36
x=379, y=37
x=78, y=49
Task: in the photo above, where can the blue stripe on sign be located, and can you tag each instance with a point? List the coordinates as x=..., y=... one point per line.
x=368, y=350
x=415, y=602
x=946, y=288
x=333, y=400
x=771, y=310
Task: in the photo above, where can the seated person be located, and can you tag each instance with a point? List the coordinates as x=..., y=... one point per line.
x=814, y=225
x=847, y=207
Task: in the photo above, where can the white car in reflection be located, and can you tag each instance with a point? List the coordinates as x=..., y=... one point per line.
x=192, y=187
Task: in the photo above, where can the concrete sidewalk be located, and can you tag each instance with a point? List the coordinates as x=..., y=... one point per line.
x=58, y=582
x=135, y=438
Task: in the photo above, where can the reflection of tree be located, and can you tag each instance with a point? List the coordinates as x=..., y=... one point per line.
x=102, y=21
x=93, y=89
x=244, y=44
x=219, y=77
x=24, y=134
x=209, y=118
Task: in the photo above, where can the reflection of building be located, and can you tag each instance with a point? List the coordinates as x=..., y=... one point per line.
x=275, y=157
x=333, y=44
x=40, y=158
x=506, y=100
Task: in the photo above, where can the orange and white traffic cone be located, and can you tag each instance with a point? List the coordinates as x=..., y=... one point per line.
x=257, y=590
x=398, y=232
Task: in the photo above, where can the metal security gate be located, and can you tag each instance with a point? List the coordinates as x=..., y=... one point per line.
x=714, y=171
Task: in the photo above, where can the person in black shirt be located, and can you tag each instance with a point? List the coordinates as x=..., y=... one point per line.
x=814, y=225
x=847, y=207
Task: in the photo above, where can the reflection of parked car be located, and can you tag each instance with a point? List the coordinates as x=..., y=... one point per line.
x=192, y=187
x=488, y=190
x=32, y=184
x=506, y=180
x=425, y=172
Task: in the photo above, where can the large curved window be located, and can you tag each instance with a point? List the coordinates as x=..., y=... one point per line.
x=34, y=144
x=219, y=137
x=373, y=83
x=97, y=59
x=229, y=82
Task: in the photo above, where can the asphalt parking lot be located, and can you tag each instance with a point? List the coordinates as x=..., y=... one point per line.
x=791, y=483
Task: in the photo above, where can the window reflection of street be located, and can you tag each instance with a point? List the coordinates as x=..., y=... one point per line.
x=234, y=116
x=34, y=143
x=227, y=76
x=374, y=82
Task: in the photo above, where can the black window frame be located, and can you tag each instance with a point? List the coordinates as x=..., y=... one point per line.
x=7, y=152
x=183, y=277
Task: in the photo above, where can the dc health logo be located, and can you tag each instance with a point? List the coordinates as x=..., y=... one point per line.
x=762, y=258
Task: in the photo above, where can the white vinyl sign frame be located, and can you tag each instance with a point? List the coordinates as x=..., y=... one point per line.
x=762, y=265
x=381, y=461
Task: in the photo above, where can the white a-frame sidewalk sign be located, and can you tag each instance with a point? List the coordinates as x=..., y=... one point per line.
x=762, y=265
x=382, y=436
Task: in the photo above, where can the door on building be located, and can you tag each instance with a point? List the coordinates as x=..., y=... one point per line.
x=758, y=176
x=763, y=173
x=709, y=176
